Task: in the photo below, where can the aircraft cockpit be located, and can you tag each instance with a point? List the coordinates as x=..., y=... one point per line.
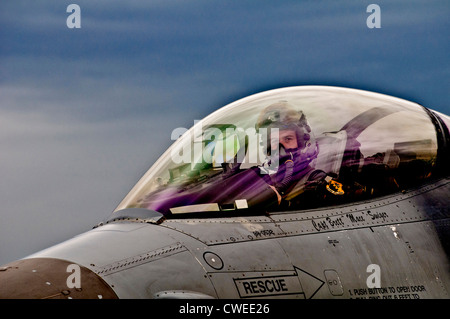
x=291, y=149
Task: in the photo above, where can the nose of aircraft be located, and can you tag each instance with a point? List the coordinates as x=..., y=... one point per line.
x=51, y=278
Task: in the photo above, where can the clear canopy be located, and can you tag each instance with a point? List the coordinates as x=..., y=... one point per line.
x=291, y=148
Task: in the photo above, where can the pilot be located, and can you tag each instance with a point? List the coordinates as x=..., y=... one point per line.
x=294, y=153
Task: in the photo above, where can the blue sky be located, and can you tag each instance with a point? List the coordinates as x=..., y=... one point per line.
x=85, y=112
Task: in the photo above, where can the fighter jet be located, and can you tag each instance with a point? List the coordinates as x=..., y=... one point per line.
x=298, y=192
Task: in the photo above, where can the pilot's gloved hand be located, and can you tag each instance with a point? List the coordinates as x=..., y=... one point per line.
x=278, y=194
